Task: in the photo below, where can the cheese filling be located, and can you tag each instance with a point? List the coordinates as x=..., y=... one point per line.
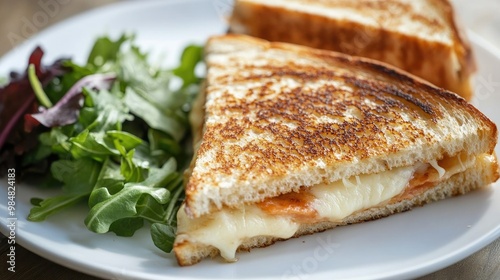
x=228, y=228
x=282, y=216
x=337, y=200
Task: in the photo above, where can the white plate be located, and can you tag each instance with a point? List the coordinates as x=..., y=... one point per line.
x=405, y=245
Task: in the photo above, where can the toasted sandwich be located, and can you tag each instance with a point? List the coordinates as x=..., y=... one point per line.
x=292, y=140
x=420, y=36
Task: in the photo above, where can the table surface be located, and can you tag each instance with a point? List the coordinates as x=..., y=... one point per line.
x=481, y=16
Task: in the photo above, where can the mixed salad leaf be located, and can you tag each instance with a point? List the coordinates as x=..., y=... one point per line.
x=113, y=133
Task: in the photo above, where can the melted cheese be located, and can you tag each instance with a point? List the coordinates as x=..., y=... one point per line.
x=438, y=168
x=340, y=199
x=227, y=229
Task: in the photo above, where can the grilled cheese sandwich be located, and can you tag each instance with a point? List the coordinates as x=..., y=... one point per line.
x=422, y=37
x=296, y=140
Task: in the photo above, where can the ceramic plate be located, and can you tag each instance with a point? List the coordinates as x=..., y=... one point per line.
x=405, y=245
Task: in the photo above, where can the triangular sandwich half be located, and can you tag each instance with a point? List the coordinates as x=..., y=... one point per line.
x=419, y=36
x=293, y=140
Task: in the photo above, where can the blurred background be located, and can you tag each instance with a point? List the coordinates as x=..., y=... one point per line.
x=19, y=19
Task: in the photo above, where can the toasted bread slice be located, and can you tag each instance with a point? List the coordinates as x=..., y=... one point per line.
x=419, y=36
x=279, y=117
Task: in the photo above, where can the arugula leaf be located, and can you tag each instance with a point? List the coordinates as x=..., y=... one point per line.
x=148, y=95
x=113, y=207
x=111, y=110
x=191, y=56
x=79, y=176
x=149, y=209
x=120, y=205
x=163, y=233
x=126, y=227
x=131, y=171
x=91, y=144
x=125, y=139
x=105, y=50
x=110, y=178
x=52, y=205
x=56, y=139
x=151, y=84
x=36, y=201
x=163, y=236
x=145, y=155
x=161, y=141
x=154, y=117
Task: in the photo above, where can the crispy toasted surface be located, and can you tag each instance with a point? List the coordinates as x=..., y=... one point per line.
x=279, y=117
x=481, y=174
x=419, y=36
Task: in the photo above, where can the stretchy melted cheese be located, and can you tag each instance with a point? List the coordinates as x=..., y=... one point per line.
x=282, y=216
x=228, y=228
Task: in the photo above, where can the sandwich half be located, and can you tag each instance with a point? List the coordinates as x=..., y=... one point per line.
x=420, y=36
x=291, y=140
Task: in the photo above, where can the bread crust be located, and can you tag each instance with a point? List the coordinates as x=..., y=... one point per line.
x=480, y=175
x=426, y=122
x=448, y=64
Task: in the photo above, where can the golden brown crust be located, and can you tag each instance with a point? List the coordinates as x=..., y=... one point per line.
x=382, y=100
x=463, y=44
x=431, y=59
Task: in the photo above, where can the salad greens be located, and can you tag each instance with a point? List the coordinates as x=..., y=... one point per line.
x=113, y=133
